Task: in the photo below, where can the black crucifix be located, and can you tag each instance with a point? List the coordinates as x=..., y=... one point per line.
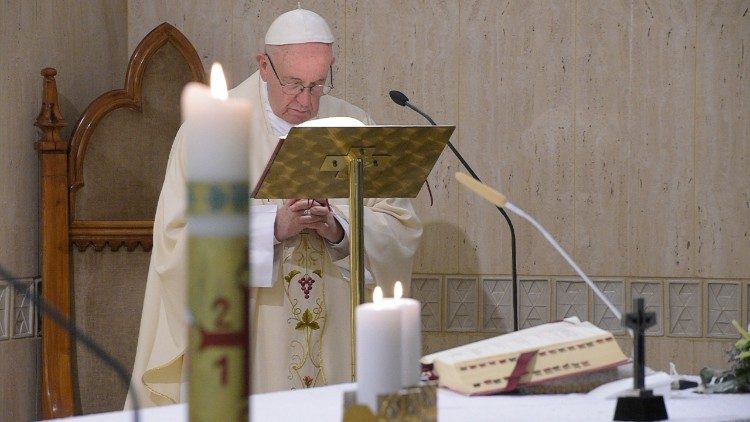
x=642, y=405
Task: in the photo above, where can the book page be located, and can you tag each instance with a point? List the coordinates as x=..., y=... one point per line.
x=527, y=339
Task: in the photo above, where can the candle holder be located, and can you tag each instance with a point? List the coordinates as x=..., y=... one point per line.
x=411, y=404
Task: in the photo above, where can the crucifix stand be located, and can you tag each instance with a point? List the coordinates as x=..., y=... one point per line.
x=642, y=405
x=356, y=163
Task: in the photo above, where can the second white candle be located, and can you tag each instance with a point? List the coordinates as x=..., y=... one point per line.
x=411, y=337
x=378, y=349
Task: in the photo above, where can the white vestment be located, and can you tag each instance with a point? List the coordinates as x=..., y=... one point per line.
x=300, y=331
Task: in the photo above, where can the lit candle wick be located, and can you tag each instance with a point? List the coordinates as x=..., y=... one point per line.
x=377, y=295
x=218, y=82
x=398, y=290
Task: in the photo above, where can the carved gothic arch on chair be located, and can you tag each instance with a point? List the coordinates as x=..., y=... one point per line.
x=99, y=194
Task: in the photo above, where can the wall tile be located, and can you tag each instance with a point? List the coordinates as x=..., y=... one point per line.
x=723, y=305
x=5, y=290
x=722, y=173
x=571, y=299
x=87, y=44
x=661, y=94
x=653, y=294
x=411, y=47
x=602, y=141
x=516, y=113
x=143, y=16
x=497, y=305
x=87, y=47
x=533, y=303
x=427, y=290
x=23, y=310
x=602, y=316
x=461, y=303
x=685, y=313
x=37, y=309
x=19, y=375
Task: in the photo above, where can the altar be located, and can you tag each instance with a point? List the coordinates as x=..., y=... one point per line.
x=325, y=404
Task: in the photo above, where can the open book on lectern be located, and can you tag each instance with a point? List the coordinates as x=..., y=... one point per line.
x=528, y=357
x=398, y=159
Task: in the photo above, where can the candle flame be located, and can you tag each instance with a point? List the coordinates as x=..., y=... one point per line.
x=377, y=295
x=398, y=290
x=218, y=82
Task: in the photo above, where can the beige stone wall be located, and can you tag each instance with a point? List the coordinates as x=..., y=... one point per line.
x=87, y=45
x=620, y=125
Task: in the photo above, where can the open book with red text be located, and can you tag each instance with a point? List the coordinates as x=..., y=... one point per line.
x=528, y=357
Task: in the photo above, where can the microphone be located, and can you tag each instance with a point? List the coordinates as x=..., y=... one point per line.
x=77, y=335
x=399, y=98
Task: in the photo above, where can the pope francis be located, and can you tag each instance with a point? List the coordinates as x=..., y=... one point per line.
x=299, y=296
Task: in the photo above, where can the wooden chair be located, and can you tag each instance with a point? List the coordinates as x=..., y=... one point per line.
x=98, y=198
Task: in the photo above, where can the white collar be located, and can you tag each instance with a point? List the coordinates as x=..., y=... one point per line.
x=279, y=126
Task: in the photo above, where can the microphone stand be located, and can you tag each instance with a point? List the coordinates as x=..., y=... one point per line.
x=77, y=335
x=402, y=100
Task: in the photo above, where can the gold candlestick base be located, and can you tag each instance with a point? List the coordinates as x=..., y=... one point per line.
x=413, y=404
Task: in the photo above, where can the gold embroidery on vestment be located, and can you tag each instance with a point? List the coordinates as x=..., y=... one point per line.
x=305, y=292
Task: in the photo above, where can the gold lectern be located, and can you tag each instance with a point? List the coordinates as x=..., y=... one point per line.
x=398, y=160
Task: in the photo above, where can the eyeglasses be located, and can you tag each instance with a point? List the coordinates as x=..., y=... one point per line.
x=297, y=88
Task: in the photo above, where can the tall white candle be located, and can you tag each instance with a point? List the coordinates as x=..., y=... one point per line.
x=216, y=130
x=378, y=349
x=411, y=337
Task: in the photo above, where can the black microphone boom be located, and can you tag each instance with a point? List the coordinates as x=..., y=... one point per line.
x=399, y=98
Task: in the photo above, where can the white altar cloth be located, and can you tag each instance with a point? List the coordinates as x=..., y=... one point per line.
x=325, y=404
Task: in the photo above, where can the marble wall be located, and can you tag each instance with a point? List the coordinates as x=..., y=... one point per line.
x=620, y=125
x=87, y=45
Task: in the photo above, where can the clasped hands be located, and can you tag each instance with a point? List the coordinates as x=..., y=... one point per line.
x=296, y=215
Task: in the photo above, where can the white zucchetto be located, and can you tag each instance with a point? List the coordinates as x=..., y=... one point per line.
x=299, y=26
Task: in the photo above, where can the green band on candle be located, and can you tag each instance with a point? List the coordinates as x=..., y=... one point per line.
x=217, y=198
